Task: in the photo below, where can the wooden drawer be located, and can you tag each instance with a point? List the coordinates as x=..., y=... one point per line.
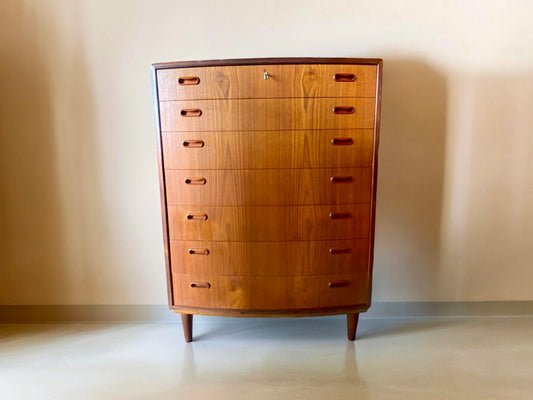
x=269, y=223
x=324, y=257
x=269, y=293
x=232, y=82
x=268, y=149
x=268, y=186
x=267, y=114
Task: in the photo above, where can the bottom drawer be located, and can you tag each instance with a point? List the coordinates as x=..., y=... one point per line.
x=270, y=293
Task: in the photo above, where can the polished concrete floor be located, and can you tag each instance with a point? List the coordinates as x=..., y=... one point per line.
x=309, y=358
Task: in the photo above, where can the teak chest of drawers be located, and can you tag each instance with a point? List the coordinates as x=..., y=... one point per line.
x=268, y=185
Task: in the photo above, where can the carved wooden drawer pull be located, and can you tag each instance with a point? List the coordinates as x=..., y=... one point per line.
x=342, y=141
x=344, y=250
x=342, y=110
x=199, y=252
x=191, y=112
x=339, y=215
x=195, y=181
x=189, y=80
x=341, y=179
x=336, y=284
x=344, y=77
x=193, y=143
x=200, y=285
x=201, y=217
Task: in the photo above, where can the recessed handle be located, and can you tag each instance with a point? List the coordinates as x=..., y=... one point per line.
x=339, y=250
x=341, y=179
x=201, y=217
x=344, y=77
x=336, y=284
x=193, y=143
x=342, y=141
x=200, y=285
x=189, y=80
x=343, y=110
x=339, y=215
x=199, y=252
x=191, y=112
x=195, y=181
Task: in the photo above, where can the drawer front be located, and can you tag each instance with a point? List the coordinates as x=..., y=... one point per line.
x=267, y=114
x=325, y=257
x=242, y=82
x=269, y=293
x=268, y=223
x=268, y=187
x=268, y=149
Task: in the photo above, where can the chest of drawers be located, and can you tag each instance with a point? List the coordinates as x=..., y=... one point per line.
x=268, y=182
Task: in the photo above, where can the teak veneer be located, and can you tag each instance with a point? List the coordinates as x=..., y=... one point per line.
x=268, y=185
x=287, y=258
x=268, y=223
x=267, y=114
x=285, y=81
x=265, y=187
x=288, y=149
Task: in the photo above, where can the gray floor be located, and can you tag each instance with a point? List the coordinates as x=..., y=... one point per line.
x=309, y=358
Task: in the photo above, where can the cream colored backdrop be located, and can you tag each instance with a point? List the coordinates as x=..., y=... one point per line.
x=79, y=205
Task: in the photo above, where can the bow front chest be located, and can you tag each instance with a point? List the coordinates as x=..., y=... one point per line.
x=268, y=182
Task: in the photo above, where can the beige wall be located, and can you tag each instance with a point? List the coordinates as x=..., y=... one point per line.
x=79, y=205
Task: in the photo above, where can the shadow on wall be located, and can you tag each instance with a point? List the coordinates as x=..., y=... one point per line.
x=454, y=219
x=487, y=248
x=30, y=213
x=410, y=181
x=49, y=181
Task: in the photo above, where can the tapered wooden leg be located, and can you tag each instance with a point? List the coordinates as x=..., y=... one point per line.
x=352, y=320
x=186, y=321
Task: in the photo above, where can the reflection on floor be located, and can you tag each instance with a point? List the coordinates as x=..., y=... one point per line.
x=307, y=358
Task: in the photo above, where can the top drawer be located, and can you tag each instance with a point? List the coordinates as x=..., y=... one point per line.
x=248, y=81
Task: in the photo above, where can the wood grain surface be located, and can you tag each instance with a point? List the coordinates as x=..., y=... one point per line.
x=269, y=223
x=266, y=114
x=270, y=258
x=244, y=82
x=271, y=292
x=268, y=149
x=268, y=186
